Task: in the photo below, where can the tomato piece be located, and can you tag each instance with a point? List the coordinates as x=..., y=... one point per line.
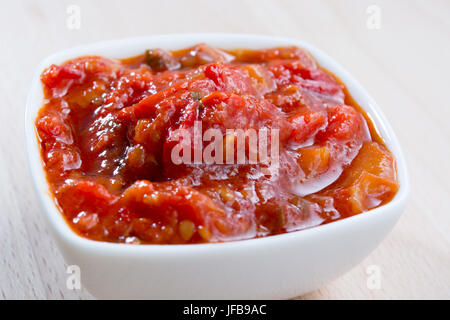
x=229, y=79
x=306, y=123
x=274, y=55
x=369, y=181
x=373, y=158
x=52, y=126
x=62, y=159
x=314, y=160
x=231, y=111
x=203, y=54
x=261, y=78
x=162, y=203
x=54, y=75
x=84, y=195
x=368, y=191
x=312, y=80
x=344, y=124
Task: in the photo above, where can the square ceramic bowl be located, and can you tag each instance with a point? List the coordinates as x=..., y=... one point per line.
x=281, y=266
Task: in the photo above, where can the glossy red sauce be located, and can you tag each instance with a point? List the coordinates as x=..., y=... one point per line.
x=107, y=127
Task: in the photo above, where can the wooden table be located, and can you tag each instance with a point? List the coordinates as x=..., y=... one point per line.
x=399, y=50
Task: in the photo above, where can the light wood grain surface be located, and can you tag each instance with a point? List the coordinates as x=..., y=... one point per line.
x=405, y=65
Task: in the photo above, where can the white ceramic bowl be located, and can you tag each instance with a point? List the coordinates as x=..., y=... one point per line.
x=281, y=266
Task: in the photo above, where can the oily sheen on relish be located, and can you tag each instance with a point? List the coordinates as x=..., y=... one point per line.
x=106, y=132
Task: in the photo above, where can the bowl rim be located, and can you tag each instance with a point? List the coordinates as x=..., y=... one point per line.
x=132, y=46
